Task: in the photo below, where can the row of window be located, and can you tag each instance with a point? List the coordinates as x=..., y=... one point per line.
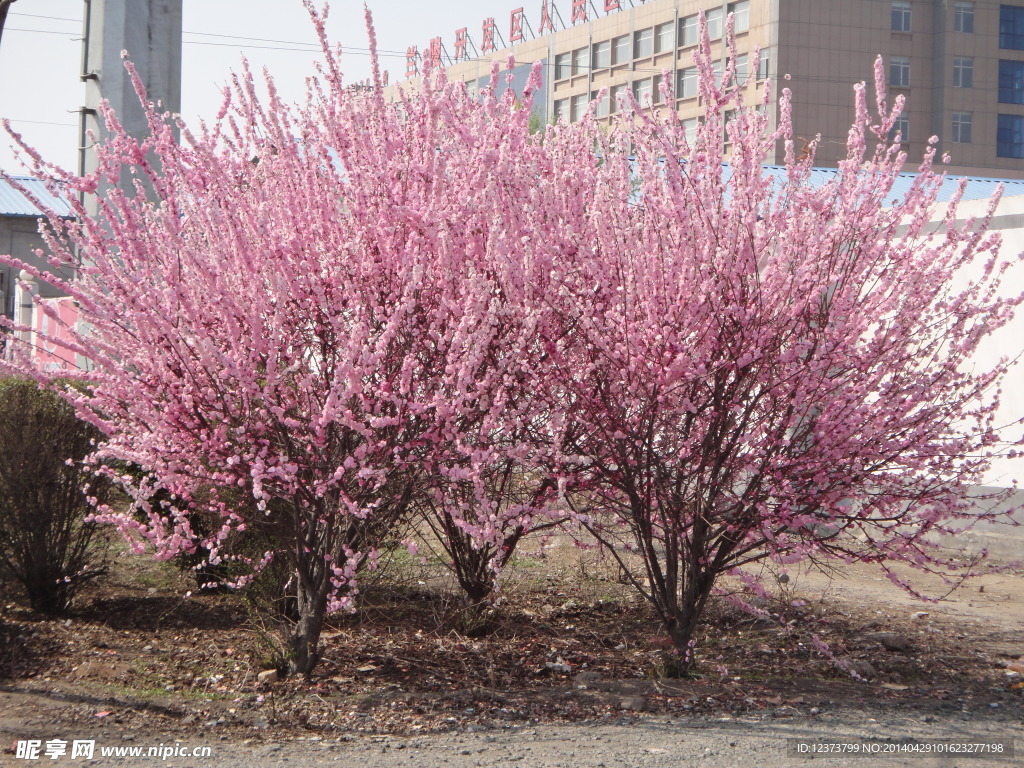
x=1011, y=21
x=963, y=71
x=1009, y=132
x=960, y=133
x=963, y=16
x=1011, y=76
x=647, y=90
x=644, y=43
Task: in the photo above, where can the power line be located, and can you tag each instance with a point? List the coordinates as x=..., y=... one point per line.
x=38, y=16
x=348, y=51
x=315, y=46
x=41, y=122
x=39, y=31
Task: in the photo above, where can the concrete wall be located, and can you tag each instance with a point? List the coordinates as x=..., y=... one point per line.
x=19, y=236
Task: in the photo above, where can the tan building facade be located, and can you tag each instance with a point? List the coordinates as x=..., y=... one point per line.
x=960, y=64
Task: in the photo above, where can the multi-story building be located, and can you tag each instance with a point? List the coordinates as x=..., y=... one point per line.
x=960, y=63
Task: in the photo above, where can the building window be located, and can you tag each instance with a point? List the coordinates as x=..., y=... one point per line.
x=656, y=96
x=1010, y=136
x=579, y=107
x=899, y=71
x=614, y=93
x=901, y=128
x=963, y=17
x=562, y=109
x=963, y=72
x=762, y=66
x=1011, y=82
x=901, y=17
x=686, y=83
x=581, y=61
x=717, y=69
x=688, y=32
x=715, y=19
x=1011, y=27
x=601, y=110
x=664, y=37
x=601, y=54
x=563, y=66
x=643, y=91
x=961, y=127
x=740, y=16
x=643, y=43
x=620, y=50
x=690, y=129
x=742, y=68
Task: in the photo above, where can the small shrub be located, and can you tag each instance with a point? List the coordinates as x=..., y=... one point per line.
x=45, y=543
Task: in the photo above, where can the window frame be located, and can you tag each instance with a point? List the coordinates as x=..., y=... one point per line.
x=656, y=97
x=742, y=68
x=963, y=72
x=661, y=45
x=561, y=108
x=716, y=23
x=581, y=61
x=963, y=17
x=1010, y=84
x=1011, y=27
x=596, y=50
x=689, y=27
x=690, y=127
x=684, y=76
x=638, y=91
x=578, y=106
x=741, y=15
x=1003, y=128
x=638, y=43
x=900, y=64
x=902, y=16
x=622, y=45
x=959, y=123
x=563, y=69
x=613, y=96
x=901, y=126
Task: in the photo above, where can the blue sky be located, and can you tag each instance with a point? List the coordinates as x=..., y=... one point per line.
x=40, y=53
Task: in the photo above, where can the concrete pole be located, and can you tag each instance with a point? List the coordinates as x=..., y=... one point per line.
x=24, y=306
x=150, y=31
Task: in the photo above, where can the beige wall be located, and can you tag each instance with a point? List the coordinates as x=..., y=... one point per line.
x=825, y=46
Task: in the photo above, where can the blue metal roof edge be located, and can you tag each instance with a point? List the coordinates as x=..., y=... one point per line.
x=14, y=202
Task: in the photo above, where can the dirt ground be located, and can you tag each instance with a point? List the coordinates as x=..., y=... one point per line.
x=566, y=678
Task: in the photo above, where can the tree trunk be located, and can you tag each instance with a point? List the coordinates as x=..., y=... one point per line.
x=679, y=660
x=305, y=639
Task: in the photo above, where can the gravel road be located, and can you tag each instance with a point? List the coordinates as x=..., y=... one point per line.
x=643, y=743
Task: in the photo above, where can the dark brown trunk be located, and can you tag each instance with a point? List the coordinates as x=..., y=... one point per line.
x=305, y=639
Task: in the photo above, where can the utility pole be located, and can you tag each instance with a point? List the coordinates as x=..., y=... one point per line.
x=4, y=7
x=150, y=30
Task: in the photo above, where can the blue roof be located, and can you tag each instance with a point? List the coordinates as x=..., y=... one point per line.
x=978, y=188
x=14, y=203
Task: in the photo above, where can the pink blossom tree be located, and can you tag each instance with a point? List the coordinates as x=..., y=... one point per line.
x=305, y=319
x=778, y=371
